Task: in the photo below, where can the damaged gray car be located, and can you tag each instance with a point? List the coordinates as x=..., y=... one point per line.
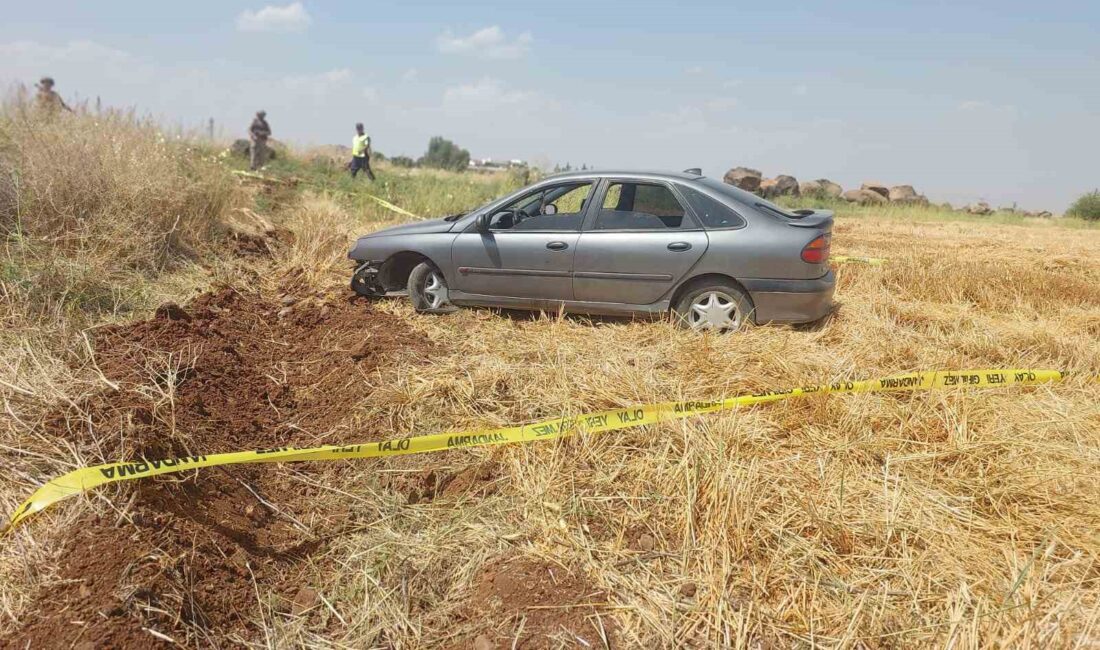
x=614, y=243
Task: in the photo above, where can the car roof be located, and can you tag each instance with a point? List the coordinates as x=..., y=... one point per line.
x=651, y=175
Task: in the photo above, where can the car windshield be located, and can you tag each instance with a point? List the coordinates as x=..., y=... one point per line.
x=748, y=198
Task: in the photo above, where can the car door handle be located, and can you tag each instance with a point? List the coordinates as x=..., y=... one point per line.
x=557, y=246
x=679, y=246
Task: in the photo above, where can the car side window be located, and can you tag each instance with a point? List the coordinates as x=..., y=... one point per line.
x=640, y=206
x=558, y=207
x=713, y=213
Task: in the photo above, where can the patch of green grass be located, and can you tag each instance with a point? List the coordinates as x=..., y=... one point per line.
x=423, y=192
x=929, y=213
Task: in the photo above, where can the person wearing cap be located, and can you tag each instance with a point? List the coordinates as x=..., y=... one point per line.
x=258, y=133
x=48, y=99
x=360, y=152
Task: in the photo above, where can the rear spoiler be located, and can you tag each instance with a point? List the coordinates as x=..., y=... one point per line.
x=812, y=219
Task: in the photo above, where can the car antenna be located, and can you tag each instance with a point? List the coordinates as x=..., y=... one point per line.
x=698, y=171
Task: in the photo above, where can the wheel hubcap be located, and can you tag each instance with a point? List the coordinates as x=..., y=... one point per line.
x=435, y=291
x=714, y=310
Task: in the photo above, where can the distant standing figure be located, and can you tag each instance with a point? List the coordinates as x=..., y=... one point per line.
x=360, y=152
x=48, y=99
x=258, y=133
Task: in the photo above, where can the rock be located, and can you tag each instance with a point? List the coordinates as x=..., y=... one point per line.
x=767, y=187
x=306, y=599
x=903, y=193
x=688, y=589
x=288, y=300
x=483, y=642
x=877, y=188
x=240, y=148
x=285, y=311
x=646, y=542
x=979, y=208
x=864, y=197
x=744, y=178
x=243, y=148
x=171, y=311
x=822, y=188
x=782, y=185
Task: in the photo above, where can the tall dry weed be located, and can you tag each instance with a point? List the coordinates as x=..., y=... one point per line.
x=89, y=202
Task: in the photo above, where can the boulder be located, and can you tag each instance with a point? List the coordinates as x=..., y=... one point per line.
x=979, y=208
x=877, y=188
x=243, y=148
x=784, y=185
x=864, y=197
x=904, y=193
x=821, y=188
x=744, y=178
x=240, y=148
x=767, y=187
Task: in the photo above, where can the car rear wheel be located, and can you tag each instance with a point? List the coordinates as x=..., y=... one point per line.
x=714, y=306
x=428, y=290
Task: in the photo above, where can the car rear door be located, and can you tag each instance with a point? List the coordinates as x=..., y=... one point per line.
x=637, y=245
x=529, y=257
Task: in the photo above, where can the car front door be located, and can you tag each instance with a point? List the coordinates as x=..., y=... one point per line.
x=527, y=250
x=637, y=245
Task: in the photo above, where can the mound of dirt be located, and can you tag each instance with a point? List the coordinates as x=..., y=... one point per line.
x=184, y=553
x=536, y=604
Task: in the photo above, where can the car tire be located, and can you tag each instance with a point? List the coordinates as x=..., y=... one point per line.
x=428, y=290
x=714, y=306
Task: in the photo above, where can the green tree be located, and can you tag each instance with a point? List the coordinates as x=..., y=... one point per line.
x=1087, y=207
x=444, y=154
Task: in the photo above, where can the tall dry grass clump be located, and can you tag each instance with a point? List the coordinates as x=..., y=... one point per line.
x=91, y=203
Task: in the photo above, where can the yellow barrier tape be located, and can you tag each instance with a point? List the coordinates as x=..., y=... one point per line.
x=386, y=204
x=87, y=478
x=842, y=259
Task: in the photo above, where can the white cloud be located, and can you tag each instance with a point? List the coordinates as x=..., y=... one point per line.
x=488, y=42
x=975, y=106
x=801, y=90
x=371, y=94
x=720, y=104
x=317, y=85
x=694, y=70
x=485, y=93
x=412, y=74
x=732, y=83
x=272, y=18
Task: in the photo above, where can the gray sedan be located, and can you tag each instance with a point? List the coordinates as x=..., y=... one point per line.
x=614, y=243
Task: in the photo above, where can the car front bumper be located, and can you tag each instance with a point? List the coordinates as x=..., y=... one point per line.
x=791, y=301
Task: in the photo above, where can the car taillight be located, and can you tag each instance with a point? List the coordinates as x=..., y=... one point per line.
x=817, y=251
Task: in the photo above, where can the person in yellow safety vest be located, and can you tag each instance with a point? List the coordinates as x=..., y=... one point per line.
x=360, y=153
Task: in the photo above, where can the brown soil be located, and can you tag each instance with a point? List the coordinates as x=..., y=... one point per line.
x=535, y=604
x=429, y=484
x=183, y=555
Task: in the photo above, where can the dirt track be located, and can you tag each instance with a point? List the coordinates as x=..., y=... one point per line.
x=226, y=372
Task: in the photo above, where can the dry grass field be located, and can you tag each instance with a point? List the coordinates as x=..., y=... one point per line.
x=959, y=518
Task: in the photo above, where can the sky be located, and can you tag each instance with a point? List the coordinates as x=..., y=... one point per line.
x=967, y=100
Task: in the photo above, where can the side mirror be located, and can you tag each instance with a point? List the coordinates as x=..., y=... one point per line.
x=483, y=222
x=549, y=209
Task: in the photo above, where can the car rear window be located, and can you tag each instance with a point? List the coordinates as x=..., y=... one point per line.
x=713, y=213
x=748, y=198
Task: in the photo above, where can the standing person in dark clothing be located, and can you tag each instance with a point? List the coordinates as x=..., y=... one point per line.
x=48, y=100
x=258, y=133
x=360, y=152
